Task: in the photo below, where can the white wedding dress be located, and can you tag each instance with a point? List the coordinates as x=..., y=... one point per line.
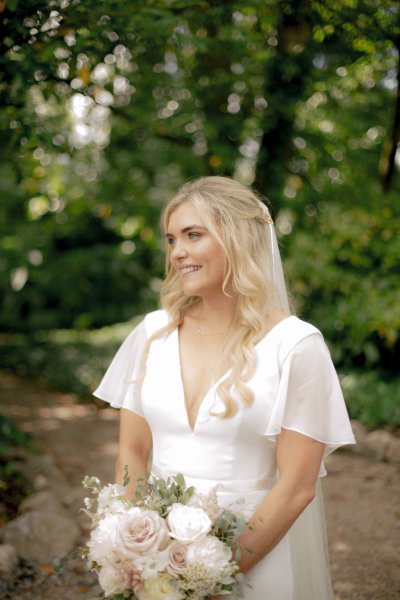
x=295, y=386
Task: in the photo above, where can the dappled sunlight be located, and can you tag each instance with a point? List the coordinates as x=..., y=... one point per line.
x=46, y=424
x=66, y=412
x=109, y=449
x=108, y=414
x=341, y=547
x=81, y=436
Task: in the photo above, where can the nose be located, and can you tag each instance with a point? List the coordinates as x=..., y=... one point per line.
x=178, y=250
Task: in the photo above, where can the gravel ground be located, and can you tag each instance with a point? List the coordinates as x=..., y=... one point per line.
x=361, y=498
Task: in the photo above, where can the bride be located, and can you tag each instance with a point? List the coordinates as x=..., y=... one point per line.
x=226, y=386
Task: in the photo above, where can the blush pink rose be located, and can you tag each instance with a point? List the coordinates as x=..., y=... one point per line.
x=129, y=576
x=140, y=532
x=177, y=558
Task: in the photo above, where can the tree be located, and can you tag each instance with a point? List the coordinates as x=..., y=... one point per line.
x=103, y=119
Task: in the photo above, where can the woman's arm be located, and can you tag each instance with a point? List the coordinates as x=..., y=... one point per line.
x=299, y=458
x=135, y=442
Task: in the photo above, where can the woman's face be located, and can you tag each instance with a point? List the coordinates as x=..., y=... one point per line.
x=194, y=253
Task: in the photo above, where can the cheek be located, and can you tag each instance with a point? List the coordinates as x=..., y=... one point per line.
x=170, y=258
x=220, y=261
x=222, y=268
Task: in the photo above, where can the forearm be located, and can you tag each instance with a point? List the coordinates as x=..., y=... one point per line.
x=270, y=522
x=135, y=443
x=135, y=466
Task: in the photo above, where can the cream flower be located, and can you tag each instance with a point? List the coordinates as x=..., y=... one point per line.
x=110, y=580
x=116, y=578
x=176, y=558
x=140, y=532
x=159, y=588
x=103, y=541
x=210, y=552
x=110, y=499
x=187, y=523
x=149, y=565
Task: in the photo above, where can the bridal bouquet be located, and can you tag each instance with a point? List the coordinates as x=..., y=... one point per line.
x=169, y=543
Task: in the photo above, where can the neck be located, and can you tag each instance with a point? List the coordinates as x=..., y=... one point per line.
x=216, y=313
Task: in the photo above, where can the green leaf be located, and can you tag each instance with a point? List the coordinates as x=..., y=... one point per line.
x=126, y=476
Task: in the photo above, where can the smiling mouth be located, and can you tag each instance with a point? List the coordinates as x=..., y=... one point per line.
x=186, y=270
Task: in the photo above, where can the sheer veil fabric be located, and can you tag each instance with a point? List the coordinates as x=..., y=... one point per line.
x=307, y=536
x=279, y=296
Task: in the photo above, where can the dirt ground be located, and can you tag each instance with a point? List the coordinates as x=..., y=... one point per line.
x=362, y=496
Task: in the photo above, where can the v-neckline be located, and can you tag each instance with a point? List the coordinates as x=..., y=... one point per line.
x=214, y=385
x=182, y=387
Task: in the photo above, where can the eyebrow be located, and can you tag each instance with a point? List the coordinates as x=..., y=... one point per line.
x=186, y=229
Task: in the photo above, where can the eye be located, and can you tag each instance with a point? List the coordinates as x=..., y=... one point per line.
x=170, y=241
x=193, y=235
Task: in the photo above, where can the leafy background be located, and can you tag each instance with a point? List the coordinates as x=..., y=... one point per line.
x=106, y=108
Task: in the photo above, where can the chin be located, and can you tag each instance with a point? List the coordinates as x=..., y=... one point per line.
x=190, y=293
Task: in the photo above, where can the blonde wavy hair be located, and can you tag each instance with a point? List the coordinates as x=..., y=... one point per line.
x=234, y=216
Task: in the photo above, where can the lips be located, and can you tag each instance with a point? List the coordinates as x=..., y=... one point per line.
x=189, y=269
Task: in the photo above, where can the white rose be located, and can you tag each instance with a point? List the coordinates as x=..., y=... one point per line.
x=110, y=580
x=103, y=540
x=210, y=552
x=159, y=588
x=176, y=558
x=187, y=523
x=140, y=532
x=110, y=499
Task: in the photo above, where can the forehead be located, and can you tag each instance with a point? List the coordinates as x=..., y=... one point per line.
x=185, y=215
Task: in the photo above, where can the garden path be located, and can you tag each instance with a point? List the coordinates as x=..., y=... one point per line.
x=361, y=494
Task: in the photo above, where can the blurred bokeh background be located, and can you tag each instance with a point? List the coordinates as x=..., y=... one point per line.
x=106, y=108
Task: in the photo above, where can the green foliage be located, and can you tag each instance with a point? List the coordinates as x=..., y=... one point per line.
x=101, y=120
x=12, y=437
x=71, y=361
x=13, y=485
x=67, y=361
x=342, y=268
x=228, y=527
x=159, y=494
x=372, y=398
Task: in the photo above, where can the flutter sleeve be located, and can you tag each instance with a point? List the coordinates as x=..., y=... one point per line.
x=309, y=399
x=121, y=382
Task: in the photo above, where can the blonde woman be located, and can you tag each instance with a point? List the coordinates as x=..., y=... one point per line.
x=226, y=386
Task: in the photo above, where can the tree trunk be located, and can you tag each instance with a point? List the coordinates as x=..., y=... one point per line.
x=388, y=158
x=284, y=87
